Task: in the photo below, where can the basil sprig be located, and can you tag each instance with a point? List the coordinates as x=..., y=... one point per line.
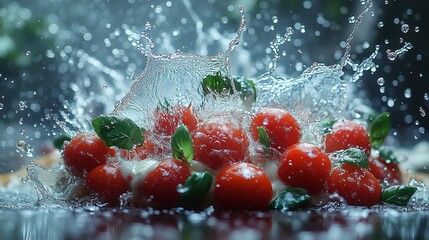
x=182, y=145
x=122, y=133
x=353, y=156
x=291, y=198
x=380, y=127
x=220, y=83
x=59, y=141
x=195, y=189
x=398, y=195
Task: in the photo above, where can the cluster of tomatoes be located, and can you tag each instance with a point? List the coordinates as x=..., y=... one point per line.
x=233, y=151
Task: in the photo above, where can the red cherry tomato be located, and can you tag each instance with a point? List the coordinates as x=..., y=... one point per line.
x=84, y=153
x=166, y=121
x=108, y=182
x=218, y=143
x=242, y=186
x=385, y=172
x=347, y=134
x=356, y=185
x=160, y=187
x=281, y=127
x=140, y=152
x=304, y=165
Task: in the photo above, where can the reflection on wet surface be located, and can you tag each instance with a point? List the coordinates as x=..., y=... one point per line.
x=94, y=223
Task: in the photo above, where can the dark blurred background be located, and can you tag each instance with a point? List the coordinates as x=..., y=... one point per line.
x=42, y=44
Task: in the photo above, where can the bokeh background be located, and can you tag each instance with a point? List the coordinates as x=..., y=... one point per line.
x=50, y=50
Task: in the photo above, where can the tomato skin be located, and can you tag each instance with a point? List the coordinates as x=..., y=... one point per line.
x=166, y=121
x=304, y=165
x=220, y=143
x=347, y=134
x=281, y=127
x=84, y=153
x=107, y=181
x=140, y=152
x=160, y=188
x=242, y=186
x=385, y=172
x=356, y=185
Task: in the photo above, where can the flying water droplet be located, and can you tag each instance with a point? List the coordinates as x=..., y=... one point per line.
x=28, y=53
x=405, y=28
x=380, y=81
x=392, y=55
x=417, y=29
x=1, y=106
x=352, y=19
x=380, y=24
x=22, y=105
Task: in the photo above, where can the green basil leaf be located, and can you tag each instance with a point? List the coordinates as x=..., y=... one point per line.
x=122, y=133
x=398, y=195
x=264, y=140
x=380, y=127
x=291, y=198
x=216, y=83
x=182, y=145
x=386, y=154
x=220, y=83
x=195, y=189
x=353, y=156
x=246, y=88
x=59, y=141
x=326, y=126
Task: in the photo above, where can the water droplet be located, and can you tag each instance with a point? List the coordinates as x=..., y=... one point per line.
x=21, y=121
x=1, y=106
x=66, y=104
x=422, y=112
x=417, y=29
x=21, y=145
x=22, y=105
x=380, y=81
x=28, y=53
x=352, y=19
x=405, y=28
x=426, y=96
x=386, y=41
x=386, y=2
x=407, y=93
x=391, y=55
x=380, y=24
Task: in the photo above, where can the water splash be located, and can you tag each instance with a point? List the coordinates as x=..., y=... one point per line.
x=175, y=78
x=392, y=55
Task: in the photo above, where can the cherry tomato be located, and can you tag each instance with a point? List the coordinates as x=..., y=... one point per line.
x=166, y=121
x=281, y=127
x=355, y=184
x=107, y=181
x=347, y=134
x=304, y=165
x=84, y=153
x=160, y=188
x=242, y=186
x=140, y=152
x=218, y=143
x=385, y=172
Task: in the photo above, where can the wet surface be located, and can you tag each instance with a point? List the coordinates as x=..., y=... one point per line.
x=93, y=223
